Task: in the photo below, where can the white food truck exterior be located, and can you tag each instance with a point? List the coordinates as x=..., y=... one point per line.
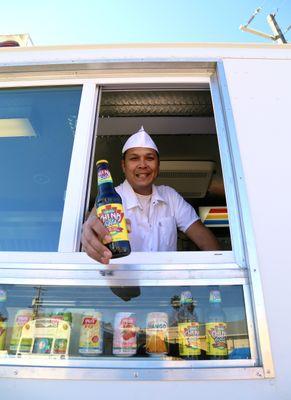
x=254, y=82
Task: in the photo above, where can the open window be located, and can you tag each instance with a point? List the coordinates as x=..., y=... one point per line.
x=181, y=122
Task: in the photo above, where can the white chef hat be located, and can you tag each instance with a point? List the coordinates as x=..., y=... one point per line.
x=139, y=139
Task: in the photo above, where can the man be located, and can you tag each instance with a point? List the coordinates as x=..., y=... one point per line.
x=154, y=212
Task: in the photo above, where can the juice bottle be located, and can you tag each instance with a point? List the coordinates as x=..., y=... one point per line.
x=215, y=328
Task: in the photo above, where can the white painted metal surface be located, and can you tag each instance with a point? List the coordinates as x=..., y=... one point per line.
x=199, y=52
x=258, y=87
x=260, y=98
x=77, y=181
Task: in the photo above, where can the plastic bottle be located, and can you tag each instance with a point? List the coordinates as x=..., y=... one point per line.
x=173, y=327
x=21, y=318
x=215, y=328
x=188, y=329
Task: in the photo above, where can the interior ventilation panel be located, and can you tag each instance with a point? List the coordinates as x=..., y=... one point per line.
x=190, y=178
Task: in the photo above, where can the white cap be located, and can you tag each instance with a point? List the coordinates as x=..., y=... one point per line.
x=140, y=139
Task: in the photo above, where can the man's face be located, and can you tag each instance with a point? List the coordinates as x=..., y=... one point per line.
x=141, y=167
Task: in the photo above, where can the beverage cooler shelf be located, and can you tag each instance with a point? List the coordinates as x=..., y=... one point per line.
x=154, y=324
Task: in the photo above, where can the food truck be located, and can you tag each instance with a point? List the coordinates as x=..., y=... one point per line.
x=220, y=116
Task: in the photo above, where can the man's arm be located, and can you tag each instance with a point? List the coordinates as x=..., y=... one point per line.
x=202, y=236
x=94, y=235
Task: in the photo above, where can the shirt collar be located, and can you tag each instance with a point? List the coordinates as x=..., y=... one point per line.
x=156, y=196
x=132, y=200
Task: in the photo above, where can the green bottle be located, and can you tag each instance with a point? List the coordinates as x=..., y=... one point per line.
x=110, y=211
x=215, y=328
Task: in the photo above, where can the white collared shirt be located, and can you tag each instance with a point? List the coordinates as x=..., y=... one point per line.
x=158, y=231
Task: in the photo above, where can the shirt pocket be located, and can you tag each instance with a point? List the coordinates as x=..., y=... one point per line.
x=167, y=234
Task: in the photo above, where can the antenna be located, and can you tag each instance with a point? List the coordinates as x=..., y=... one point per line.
x=271, y=19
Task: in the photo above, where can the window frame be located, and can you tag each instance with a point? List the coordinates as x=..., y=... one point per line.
x=140, y=368
x=63, y=267
x=233, y=258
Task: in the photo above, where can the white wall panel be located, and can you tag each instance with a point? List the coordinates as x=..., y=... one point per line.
x=260, y=93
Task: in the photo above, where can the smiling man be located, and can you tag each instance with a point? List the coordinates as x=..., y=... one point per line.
x=155, y=212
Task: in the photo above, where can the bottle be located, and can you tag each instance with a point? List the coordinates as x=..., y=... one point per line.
x=21, y=318
x=173, y=327
x=188, y=329
x=125, y=334
x=110, y=211
x=3, y=319
x=91, y=333
x=157, y=333
x=215, y=328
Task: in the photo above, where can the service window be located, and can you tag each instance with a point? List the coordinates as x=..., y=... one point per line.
x=181, y=123
x=184, y=311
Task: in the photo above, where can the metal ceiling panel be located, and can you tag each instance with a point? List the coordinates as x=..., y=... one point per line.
x=156, y=103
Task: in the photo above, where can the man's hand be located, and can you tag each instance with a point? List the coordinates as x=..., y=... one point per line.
x=94, y=236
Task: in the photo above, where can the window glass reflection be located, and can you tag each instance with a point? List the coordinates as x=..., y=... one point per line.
x=37, y=128
x=156, y=323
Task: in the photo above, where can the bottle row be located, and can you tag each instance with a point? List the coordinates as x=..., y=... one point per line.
x=177, y=334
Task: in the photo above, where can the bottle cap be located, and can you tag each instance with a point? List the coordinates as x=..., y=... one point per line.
x=186, y=297
x=214, y=296
x=101, y=161
x=3, y=295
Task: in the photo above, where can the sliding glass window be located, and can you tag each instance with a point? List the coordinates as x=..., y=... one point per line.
x=37, y=127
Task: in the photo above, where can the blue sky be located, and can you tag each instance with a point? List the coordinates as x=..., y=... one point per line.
x=53, y=22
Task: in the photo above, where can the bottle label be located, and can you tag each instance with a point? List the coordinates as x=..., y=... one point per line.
x=216, y=338
x=3, y=330
x=189, y=341
x=157, y=333
x=22, y=317
x=124, y=337
x=104, y=176
x=91, y=334
x=112, y=217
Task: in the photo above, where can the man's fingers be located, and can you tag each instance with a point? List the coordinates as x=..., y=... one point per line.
x=100, y=230
x=102, y=257
x=93, y=234
x=92, y=243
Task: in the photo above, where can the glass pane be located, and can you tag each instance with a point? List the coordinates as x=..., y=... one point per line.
x=154, y=323
x=37, y=128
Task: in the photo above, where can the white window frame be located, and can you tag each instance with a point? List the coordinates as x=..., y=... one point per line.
x=63, y=267
x=79, y=171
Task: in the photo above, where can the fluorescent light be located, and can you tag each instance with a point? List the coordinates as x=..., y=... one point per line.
x=16, y=127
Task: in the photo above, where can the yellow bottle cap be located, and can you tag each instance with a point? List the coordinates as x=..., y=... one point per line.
x=101, y=161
